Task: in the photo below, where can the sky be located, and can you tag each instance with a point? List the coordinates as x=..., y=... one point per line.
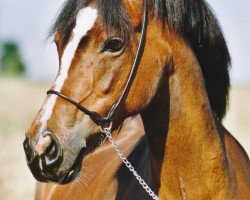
x=27, y=22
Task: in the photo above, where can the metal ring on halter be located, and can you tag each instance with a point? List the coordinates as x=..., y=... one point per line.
x=108, y=128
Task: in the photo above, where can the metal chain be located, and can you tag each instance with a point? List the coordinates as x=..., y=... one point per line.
x=107, y=132
x=101, y=139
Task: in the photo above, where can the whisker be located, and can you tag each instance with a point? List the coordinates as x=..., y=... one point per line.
x=78, y=184
x=83, y=181
x=87, y=175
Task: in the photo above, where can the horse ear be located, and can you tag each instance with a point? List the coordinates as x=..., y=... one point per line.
x=134, y=8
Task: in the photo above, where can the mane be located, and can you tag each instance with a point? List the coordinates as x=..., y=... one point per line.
x=113, y=14
x=193, y=19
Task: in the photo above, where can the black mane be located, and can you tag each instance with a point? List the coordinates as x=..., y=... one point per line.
x=193, y=19
x=113, y=14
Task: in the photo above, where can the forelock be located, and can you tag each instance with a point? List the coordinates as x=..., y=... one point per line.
x=113, y=15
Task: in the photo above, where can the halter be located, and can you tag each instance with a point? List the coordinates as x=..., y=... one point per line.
x=106, y=122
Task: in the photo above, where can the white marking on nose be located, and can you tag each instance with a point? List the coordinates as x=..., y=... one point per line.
x=84, y=22
x=183, y=188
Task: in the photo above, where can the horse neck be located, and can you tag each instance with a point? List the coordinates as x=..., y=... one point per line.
x=180, y=127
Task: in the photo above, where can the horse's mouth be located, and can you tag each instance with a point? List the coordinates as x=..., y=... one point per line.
x=53, y=175
x=73, y=173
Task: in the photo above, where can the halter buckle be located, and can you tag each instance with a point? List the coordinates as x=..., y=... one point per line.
x=108, y=127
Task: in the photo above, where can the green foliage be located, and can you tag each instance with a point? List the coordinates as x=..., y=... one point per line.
x=11, y=62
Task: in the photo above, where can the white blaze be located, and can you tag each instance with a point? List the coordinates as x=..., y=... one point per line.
x=84, y=22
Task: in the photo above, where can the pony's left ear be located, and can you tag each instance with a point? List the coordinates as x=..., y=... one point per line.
x=135, y=10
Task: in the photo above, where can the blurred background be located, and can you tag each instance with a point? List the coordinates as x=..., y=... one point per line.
x=28, y=64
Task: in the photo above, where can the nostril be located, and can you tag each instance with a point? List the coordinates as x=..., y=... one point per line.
x=52, y=154
x=48, y=148
x=51, y=149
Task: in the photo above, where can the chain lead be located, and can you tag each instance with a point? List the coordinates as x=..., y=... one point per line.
x=107, y=132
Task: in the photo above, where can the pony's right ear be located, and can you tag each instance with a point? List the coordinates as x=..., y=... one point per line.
x=136, y=9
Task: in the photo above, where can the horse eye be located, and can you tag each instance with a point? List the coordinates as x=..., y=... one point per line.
x=113, y=45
